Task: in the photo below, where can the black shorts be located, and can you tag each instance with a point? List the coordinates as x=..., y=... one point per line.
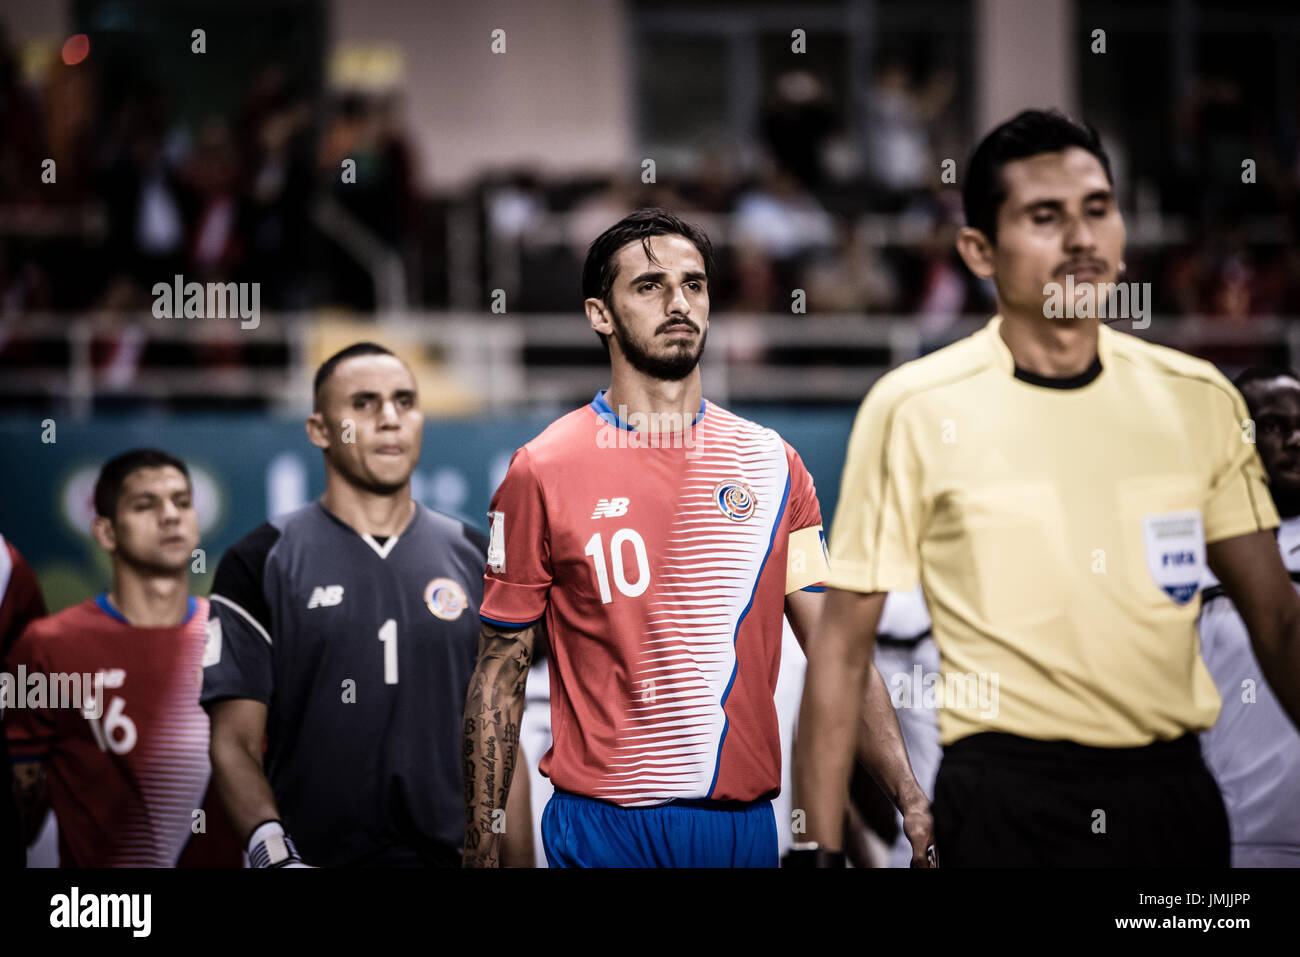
x=1007, y=801
x=395, y=856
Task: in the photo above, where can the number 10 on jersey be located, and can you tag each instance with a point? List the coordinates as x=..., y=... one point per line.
x=596, y=549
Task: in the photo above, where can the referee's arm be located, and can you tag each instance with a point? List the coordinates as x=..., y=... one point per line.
x=494, y=709
x=874, y=549
x=835, y=686
x=1251, y=571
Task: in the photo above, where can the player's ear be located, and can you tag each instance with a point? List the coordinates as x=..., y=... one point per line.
x=598, y=315
x=318, y=432
x=102, y=531
x=976, y=251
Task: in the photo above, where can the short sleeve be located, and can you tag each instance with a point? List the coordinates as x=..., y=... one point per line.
x=1238, y=501
x=30, y=731
x=875, y=538
x=21, y=602
x=517, y=582
x=806, y=564
x=237, y=657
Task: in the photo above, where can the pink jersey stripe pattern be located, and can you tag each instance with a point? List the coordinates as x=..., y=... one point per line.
x=171, y=766
x=670, y=734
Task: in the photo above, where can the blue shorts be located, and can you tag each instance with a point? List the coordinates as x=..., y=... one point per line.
x=580, y=832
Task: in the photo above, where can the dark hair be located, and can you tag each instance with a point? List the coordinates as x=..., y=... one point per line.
x=1255, y=374
x=329, y=365
x=601, y=267
x=108, y=487
x=1025, y=134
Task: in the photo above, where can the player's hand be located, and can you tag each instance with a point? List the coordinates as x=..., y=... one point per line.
x=270, y=846
x=918, y=825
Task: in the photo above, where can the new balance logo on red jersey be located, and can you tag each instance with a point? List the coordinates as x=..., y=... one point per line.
x=113, y=677
x=611, y=508
x=324, y=597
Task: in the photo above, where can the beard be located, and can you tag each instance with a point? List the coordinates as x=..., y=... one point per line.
x=679, y=362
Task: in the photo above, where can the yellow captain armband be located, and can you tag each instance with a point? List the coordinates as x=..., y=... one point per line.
x=806, y=562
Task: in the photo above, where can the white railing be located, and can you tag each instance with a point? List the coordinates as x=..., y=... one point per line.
x=496, y=364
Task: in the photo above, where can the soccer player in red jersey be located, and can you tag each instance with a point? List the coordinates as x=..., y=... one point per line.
x=656, y=539
x=107, y=715
x=20, y=604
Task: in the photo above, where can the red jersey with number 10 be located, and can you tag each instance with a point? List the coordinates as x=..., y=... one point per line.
x=661, y=563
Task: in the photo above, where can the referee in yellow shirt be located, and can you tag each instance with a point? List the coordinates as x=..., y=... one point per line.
x=1057, y=487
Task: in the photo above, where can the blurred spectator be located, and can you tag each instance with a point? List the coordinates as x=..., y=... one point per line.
x=899, y=117
x=274, y=129
x=516, y=208
x=71, y=97
x=945, y=286
x=22, y=132
x=775, y=226
x=144, y=194
x=382, y=197
x=851, y=278
x=213, y=175
x=1213, y=138
x=716, y=183
x=796, y=123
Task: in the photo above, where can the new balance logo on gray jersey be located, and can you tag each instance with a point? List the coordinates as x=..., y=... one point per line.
x=324, y=597
x=611, y=507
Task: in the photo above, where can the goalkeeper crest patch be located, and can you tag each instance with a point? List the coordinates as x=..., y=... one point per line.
x=1175, y=549
x=445, y=598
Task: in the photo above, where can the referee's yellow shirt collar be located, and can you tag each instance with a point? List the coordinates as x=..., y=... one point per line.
x=1007, y=363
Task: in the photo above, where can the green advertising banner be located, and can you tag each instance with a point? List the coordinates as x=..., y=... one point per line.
x=246, y=469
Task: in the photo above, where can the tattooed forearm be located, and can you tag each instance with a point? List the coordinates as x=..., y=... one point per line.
x=494, y=708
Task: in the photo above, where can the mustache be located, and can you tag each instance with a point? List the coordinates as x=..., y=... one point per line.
x=1074, y=265
x=680, y=321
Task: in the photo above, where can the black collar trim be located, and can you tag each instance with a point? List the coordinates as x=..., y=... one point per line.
x=1061, y=382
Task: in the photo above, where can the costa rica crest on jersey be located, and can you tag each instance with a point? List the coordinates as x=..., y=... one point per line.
x=445, y=598
x=735, y=500
x=1175, y=551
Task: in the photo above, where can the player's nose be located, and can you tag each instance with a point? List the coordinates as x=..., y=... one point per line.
x=1079, y=236
x=678, y=304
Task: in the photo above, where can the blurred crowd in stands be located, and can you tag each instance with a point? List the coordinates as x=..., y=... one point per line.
x=258, y=195
x=140, y=197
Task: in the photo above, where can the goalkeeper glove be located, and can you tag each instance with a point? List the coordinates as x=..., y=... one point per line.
x=269, y=846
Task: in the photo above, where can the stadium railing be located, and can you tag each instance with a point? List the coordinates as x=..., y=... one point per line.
x=472, y=363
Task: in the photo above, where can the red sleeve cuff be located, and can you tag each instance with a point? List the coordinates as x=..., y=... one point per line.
x=507, y=602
